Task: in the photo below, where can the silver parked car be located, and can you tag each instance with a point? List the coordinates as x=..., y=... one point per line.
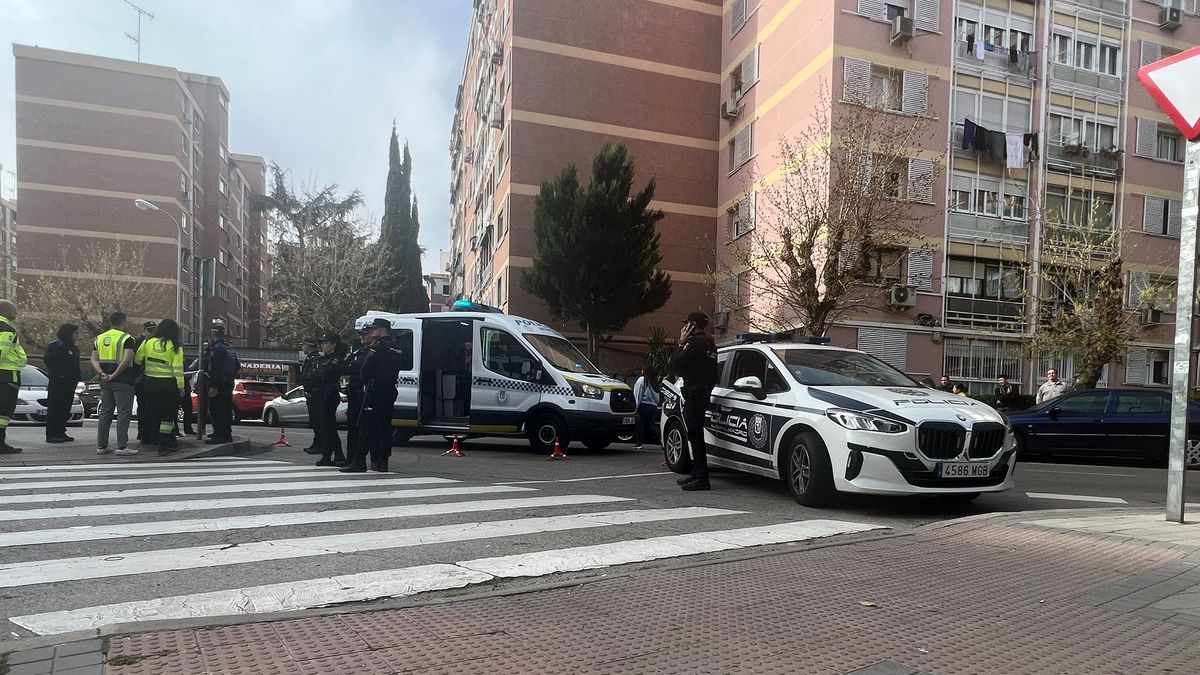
x=291, y=410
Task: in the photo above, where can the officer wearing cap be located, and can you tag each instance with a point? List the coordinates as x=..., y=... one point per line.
x=219, y=373
x=326, y=377
x=311, y=354
x=696, y=362
x=355, y=393
x=379, y=373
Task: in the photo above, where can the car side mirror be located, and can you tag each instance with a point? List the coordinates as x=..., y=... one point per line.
x=750, y=385
x=1054, y=412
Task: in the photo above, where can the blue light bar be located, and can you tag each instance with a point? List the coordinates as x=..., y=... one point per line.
x=468, y=306
x=785, y=336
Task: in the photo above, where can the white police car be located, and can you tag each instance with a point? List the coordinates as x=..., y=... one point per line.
x=825, y=419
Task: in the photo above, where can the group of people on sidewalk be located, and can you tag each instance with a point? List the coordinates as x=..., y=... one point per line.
x=1007, y=395
x=372, y=370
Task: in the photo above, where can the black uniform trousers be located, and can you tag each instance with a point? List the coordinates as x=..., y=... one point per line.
x=61, y=393
x=10, y=384
x=377, y=425
x=163, y=397
x=312, y=401
x=356, y=449
x=147, y=420
x=328, y=439
x=220, y=409
x=696, y=410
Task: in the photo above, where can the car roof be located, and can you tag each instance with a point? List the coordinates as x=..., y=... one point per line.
x=768, y=346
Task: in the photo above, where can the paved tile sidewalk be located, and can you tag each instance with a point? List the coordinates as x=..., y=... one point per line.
x=995, y=595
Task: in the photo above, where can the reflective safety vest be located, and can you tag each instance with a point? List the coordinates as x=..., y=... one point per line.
x=12, y=354
x=160, y=361
x=110, y=348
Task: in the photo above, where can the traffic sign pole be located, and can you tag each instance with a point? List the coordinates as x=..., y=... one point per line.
x=1184, y=305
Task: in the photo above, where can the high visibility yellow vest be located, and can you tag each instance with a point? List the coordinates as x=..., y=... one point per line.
x=110, y=348
x=160, y=361
x=12, y=354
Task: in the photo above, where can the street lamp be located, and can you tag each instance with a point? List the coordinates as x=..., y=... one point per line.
x=144, y=205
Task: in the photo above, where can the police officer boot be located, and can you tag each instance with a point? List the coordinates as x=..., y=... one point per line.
x=167, y=443
x=5, y=448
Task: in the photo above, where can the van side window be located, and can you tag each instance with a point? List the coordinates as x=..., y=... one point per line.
x=504, y=355
x=403, y=342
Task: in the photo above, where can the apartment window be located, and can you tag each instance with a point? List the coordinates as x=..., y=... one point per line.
x=741, y=216
x=183, y=183
x=960, y=200
x=745, y=74
x=1169, y=146
x=1076, y=207
x=1110, y=60
x=1014, y=207
x=966, y=27
x=984, y=279
x=740, y=146
x=186, y=146
x=1162, y=216
x=1158, y=365
x=987, y=202
x=894, y=11
x=223, y=100
x=1085, y=55
x=223, y=257
x=977, y=363
x=224, y=294
x=1020, y=39
x=1062, y=49
x=1067, y=129
x=222, y=153
x=885, y=265
x=988, y=196
x=995, y=36
x=501, y=291
x=221, y=221
x=737, y=17
x=222, y=187
x=887, y=88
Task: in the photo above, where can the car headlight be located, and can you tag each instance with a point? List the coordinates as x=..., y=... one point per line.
x=76, y=401
x=584, y=390
x=863, y=422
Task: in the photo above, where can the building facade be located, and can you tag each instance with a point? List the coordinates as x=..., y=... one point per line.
x=437, y=285
x=1052, y=82
x=8, y=247
x=93, y=135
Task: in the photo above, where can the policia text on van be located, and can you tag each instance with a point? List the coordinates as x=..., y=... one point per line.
x=478, y=372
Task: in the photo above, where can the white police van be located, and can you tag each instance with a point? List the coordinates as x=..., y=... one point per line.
x=825, y=419
x=476, y=371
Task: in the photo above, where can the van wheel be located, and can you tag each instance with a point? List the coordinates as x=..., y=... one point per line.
x=271, y=418
x=804, y=468
x=675, y=448
x=544, y=429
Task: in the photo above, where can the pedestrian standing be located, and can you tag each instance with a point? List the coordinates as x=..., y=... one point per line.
x=356, y=450
x=311, y=402
x=1007, y=396
x=957, y=390
x=944, y=384
x=1052, y=388
x=645, y=392
x=12, y=360
x=62, y=365
x=380, y=371
x=147, y=424
x=222, y=368
x=696, y=362
x=326, y=378
x=112, y=357
x=161, y=361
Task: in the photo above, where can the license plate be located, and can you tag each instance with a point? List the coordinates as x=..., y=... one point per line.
x=962, y=470
x=628, y=420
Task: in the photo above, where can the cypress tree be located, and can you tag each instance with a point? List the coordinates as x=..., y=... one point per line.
x=399, y=231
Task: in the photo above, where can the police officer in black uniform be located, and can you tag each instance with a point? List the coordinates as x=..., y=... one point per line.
x=696, y=362
x=219, y=376
x=356, y=451
x=327, y=376
x=311, y=402
x=380, y=370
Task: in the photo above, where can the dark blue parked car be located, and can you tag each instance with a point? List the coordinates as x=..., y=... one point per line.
x=1104, y=422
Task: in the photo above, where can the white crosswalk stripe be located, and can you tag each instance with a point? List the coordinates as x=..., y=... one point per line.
x=252, y=519
x=133, y=466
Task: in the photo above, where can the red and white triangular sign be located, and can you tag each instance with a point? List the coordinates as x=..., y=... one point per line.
x=1172, y=83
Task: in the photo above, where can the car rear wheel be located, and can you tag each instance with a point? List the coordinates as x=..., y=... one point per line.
x=1191, y=455
x=675, y=448
x=235, y=415
x=806, y=471
x=271, y=418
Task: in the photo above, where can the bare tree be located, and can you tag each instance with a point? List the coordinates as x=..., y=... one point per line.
x=844, y=197
x=100, y=279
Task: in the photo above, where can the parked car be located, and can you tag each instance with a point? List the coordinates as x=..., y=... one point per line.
x=33, y=397
x=249, y=399
x=89, y=395
x=1104, y=422
x=291, y=410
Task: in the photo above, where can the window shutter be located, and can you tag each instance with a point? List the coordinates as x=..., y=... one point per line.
x=890, y=346
x=1138, y=283
x=1135, y=366
x=914, y=98
x=1174, y=217
x=856, y=81
x=848, y=257
x=859, y=165
x=1146, y=144
x=1151, y=52
x=743, y=220
x=750, y=69
x=920, y=268
x=920, y=181
x=927, y=15
x=737, y=17
x=873, y=9
x=741, y=146
x=1152, y=215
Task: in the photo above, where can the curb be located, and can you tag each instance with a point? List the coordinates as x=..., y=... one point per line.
x=240, y=445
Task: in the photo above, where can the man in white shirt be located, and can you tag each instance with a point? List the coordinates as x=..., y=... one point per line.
x=1052, y=388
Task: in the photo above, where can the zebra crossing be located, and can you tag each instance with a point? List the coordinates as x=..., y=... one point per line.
x=83, y=546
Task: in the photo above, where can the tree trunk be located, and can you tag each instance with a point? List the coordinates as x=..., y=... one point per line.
x=1087, y=375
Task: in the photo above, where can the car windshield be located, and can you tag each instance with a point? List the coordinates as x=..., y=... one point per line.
x=32, y=377
x=837, y=368
x=264, y=387
x=561, y=354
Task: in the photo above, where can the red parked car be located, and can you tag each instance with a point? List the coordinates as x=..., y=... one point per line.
x=248, y=398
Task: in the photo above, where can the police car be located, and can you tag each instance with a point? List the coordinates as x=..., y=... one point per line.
x=825, y=419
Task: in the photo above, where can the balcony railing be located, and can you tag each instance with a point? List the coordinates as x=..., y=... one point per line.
x=971, y=227
x=998, y=315
x=999, y=59
x=1069, y=241
x=1078, y=155
x=1087, y=78
x=1116, y=7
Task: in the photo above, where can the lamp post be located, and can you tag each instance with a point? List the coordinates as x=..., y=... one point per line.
x=144, y=205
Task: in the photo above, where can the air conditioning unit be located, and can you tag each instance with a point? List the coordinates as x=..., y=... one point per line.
x=469, y=156
x=1151, y=317
x=901, y=297
x=1168, y=18
x=497, y=119
x=721, y=320
x=902, y=29
x=730, y=108
x=497, y=56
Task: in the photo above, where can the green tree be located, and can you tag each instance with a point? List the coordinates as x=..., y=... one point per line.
x=597, y=248
x=398, y=234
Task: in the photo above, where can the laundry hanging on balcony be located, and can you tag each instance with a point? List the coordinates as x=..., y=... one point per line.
x=1014, y=146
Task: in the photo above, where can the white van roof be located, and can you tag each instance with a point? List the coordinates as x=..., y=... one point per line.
x=516, y=324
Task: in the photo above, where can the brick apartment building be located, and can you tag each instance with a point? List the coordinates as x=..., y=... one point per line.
x=93, y=135
x=8, y=241
x=701, y=90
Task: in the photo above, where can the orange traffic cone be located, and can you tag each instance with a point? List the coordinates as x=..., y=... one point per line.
x=454, y=450
x=283, y=441
x=558, y=453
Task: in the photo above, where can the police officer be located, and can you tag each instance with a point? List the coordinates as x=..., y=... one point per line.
x=696, y=362
x=12, y=360
x=380, y=370
x=112, y=357
x=326, y=378
x=218, y=375
x=147, y=422
x=307, y=367
x=62, y=365
x=161, y=360
x=356, y=450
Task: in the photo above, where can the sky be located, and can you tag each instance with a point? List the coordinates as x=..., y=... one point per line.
x=314, y=84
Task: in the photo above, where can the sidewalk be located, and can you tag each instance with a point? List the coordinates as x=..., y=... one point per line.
x=38, y=452
x=1096, y=591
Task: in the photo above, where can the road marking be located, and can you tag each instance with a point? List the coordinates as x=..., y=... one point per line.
x=1076, y=498
x=580, y=480
x=134, y=474
x=145, y=529
x=216, y=490
x=1084, y=473
x=247, y=502
x=169, y=560
x=7, y=485
x=134, y=465
x=308, y=593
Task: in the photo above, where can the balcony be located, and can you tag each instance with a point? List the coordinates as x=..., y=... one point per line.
x=1072, y=242
x=996, y=315
x=1074, y=156
x=1086, y=78
x=976, y=228
x=998, y=60
x=1114, y=7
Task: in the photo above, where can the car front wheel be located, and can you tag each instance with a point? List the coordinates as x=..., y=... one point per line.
x=806, y=471
x=271, y=418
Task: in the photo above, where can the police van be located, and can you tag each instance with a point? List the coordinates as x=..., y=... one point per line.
x=825, y=419
x=476, y=371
